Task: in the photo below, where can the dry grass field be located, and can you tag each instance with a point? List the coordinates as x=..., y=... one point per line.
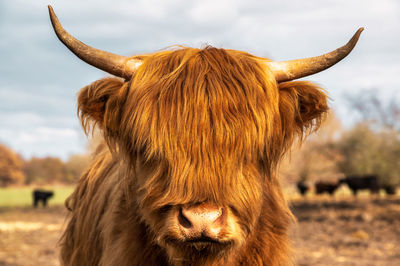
x=347, y=231
x=339, y=231
x=28, y=237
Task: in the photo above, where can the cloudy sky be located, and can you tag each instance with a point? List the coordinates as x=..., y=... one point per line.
x=39, y=77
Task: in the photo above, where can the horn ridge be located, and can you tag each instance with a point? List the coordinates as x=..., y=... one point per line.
x=295, y=69
x=112, y=63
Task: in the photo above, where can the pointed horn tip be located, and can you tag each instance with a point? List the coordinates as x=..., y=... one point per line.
x=353, y=41
x=50, y=9
x=358, y=32
x=53, y=16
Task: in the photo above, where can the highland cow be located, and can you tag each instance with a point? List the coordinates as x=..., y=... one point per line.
x=186, y=174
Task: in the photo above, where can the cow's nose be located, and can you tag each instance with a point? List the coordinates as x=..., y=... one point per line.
x=203, y=219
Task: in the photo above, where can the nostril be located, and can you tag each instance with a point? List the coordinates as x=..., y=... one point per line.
x=183, y=220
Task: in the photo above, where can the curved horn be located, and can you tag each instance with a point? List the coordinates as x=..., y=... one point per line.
x=295, y=69
x=114, y=64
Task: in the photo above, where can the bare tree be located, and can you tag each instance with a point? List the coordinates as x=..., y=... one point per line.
x=373, y=108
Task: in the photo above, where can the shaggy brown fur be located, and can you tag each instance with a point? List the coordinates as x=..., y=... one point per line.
x=191, y=126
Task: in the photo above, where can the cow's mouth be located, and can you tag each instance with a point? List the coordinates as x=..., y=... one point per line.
x=203, y=244
x=206, y=243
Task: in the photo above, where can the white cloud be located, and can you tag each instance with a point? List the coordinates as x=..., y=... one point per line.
x=33, y=134
x=46, y=134
x=211, y=11
x=20, y=119
x=44, y=141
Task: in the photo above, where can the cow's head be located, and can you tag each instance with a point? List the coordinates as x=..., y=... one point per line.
x=201, y=132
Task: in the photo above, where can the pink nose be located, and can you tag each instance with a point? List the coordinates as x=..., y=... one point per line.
x=202, y=220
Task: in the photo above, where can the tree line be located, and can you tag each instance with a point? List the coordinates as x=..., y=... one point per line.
x=14, y=170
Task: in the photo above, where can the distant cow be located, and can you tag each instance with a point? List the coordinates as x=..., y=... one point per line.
x=41, y=196
x=356, y=183
x=302, y=187
x=390, y=190
x=330, y=187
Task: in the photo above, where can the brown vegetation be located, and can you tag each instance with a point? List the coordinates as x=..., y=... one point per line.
x=47, y=170
x=10, y=167
x=14, y=170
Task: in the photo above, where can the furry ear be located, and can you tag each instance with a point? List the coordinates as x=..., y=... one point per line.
x=302, y=105
x=97, y=103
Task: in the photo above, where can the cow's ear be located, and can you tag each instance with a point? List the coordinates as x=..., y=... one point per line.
x=302, y=105
x=98, y=101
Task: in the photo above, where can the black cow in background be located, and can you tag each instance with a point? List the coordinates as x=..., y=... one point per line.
x=302, y=187
x=40, y=195
x=356, y=183
x=329, y=187
x=389, y=189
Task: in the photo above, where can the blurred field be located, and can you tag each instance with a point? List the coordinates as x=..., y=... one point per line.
x=331, y=231
x=22, y=196
x=347, y=231
x=28, y=237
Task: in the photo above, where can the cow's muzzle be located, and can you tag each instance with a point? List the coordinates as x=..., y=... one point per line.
x=202, y=223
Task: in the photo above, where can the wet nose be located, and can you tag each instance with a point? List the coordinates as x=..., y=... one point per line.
x=203, y=219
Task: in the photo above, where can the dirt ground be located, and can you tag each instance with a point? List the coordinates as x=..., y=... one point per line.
x=29, y=236
x=362, y=231
x=346, y=231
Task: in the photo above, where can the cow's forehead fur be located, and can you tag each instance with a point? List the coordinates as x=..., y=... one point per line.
x=208, y=113
x=190, y=103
